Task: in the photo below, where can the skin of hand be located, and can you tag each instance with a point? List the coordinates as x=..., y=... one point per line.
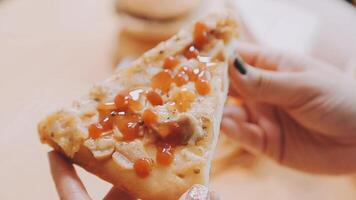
x=70, y=187
x=300, y=112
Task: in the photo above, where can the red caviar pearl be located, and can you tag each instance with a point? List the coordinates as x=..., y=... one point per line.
x=121, y=102
x=95, y=130
x=170, y=62
x=164, y=155
x=142, y=167
x=191, y=52
x=189, y=72
x=200, y=34
x=202, y=86
x=149, y=117
x=180, y=78
x=129, y=126
x=154, y=98
x=162, y=81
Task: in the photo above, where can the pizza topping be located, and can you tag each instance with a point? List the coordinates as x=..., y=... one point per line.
x=162, y=81
x=129, y=126
x=202, y=86
x=95, y=130
x=149, y=117
x=164, y=154
x=181, y=131
x=191, y=52
x=121, y=102
x=105, y=109
x=142, y=167
x=181, y=78
x=175, y=132
x=125, y=118
x=128, y=100
x=170, y=62
x=189, y=72
x=200, y=34
x=154, y=98
x=183, y=99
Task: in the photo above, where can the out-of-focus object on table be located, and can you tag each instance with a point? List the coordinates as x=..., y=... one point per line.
x=142, y=28
x=156, y=20
x=157, y=9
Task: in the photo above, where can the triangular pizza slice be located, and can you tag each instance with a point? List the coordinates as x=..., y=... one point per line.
x=152, y=127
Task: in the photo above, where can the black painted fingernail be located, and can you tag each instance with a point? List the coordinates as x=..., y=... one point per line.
x=240, y=66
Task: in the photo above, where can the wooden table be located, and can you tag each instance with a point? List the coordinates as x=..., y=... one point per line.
x=52, y=50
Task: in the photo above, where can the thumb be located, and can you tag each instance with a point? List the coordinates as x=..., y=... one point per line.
x=250, y=136
x=274, y=87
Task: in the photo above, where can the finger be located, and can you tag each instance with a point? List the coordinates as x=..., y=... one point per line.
x=196, y=192
x=269, y=59
x=235, y=112
x=248, y=135
x=66, y=179
x=118, y=194
x=233, y=92
x=214, y=196
x=278, y=88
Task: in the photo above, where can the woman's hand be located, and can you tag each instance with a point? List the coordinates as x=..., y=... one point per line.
x=302, y=112
x=70, y=187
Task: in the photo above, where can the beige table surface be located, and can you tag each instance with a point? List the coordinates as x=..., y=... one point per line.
x=53, y=50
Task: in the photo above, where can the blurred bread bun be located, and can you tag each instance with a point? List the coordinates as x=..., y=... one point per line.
x=157, y=9
x=169, y=17
x=149, y=29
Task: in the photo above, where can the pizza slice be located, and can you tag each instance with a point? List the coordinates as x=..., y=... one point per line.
x=152, y=127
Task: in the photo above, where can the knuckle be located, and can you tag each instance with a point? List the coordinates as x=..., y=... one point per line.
x=261, y=84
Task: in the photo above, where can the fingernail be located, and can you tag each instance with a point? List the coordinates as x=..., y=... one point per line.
x=240, y=66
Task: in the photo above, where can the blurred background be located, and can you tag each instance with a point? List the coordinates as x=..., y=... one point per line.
x=51, y=51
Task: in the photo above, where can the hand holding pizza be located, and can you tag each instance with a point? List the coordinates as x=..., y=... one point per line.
x=302, y=112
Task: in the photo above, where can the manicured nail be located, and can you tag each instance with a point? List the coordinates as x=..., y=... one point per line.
x=240, y=66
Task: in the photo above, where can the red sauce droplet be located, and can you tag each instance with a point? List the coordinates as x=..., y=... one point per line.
x=183, y=99
x=170, y=62
x=181, y=78
x=125, y=101
x=202, y=86
x=105, y=110
x=95, y=130
x=129, y=126
x=164, y=155
x=191, y=52
x=162, y=81
x=106, y=123
x=154, y=98
x=121, y=102
x=134, y=105
x=142, y=167
x=149, y=117
x=189, y=72
x=200, y=34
